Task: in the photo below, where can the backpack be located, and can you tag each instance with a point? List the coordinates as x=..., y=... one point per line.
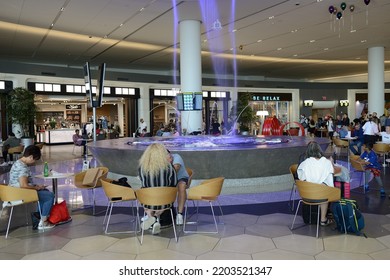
x=121, y=182
x=354, y=220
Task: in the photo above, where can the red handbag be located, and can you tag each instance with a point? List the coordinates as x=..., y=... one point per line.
x=59, y=214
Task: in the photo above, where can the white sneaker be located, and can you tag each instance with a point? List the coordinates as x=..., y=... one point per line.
x=179, y=219
x=149, y=221
x=45, y=225
x=156, y=228
x=10, y=162
x=4, y=164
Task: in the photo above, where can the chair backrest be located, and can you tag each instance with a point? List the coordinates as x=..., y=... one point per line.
x=190, y=173
x=8, y=193
x=79, y=177
x=358, y=166
x=207, y=190
x=293, y=171
x=16, y=150
x=381, y=148
x=317, y=193
x=157, y=195
x=340, y=143
x=116, y=191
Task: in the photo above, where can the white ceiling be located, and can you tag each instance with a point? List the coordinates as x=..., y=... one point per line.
x=139, y=35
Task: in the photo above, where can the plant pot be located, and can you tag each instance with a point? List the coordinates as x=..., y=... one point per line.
x=294, y=131
x=26, y=142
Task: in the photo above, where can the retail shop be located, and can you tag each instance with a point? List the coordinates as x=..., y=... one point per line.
x=62, y=108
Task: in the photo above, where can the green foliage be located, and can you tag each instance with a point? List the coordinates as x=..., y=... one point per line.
x=21, y=109
x=243, y=111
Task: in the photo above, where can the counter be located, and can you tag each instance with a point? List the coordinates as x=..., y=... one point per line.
x=59, y=136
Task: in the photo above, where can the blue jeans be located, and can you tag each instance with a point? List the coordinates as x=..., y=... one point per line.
x=359, y=147
x=46, y=200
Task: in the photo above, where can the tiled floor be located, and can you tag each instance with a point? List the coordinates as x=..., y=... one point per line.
x=255, y=226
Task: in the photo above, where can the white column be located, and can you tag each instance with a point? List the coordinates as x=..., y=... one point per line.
x=190, y=70
x=120, y=106
x=376, y=77
x=143, y=107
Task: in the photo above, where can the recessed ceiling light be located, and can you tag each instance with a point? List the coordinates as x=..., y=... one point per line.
x=258, y=41
x=363, y=41
x=326, y=49
x=271, y=17
x=234, y=30
x=358, y=58
x=279, y=49
x=353, y=31
x=295, y=55
x=312, y=41
x=295, y=30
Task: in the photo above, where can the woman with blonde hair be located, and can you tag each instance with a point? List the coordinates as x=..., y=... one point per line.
x=155, y=170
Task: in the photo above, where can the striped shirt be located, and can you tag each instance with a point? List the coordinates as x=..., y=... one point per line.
x=166, y=178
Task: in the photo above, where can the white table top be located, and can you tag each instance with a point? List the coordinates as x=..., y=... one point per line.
x=55, y=175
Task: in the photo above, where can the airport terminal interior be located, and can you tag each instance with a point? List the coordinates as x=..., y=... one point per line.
x=253, y=226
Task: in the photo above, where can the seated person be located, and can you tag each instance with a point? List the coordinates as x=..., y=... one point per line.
x=316, y=168
x=155, y=170
x=357, y=132
x=78, y=140
x=370, y=160
x=20, y=177
x=182, y=185
x=11, y=142
x=385, y=135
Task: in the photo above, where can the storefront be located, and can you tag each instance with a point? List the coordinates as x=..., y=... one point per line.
x=63, y=108
x=164, y=110
x=5, y=87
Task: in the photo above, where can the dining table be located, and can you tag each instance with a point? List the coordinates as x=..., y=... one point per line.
x=54, y=176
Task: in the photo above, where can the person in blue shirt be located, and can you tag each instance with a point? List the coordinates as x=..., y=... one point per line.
x=370, y=159
x=182, y=185
x=357, y=132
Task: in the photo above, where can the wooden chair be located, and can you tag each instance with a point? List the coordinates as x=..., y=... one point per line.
x=382, y=149
x=116, y=194
x=293, y=171
x=190, y=173
x=40, y=146
x=90, y=180
x=14, y=197
x=317, y=194
x=208, y=191
x=157, y=196
x=16, y=151
x=358, y=167
x=79, y=147
x=341, y=144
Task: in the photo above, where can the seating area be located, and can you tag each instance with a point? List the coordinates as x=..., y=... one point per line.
x=259, y=222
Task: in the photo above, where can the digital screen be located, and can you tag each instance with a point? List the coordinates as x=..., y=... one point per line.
x=189, y=101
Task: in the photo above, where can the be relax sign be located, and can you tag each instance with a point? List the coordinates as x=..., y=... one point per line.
x=271, y=97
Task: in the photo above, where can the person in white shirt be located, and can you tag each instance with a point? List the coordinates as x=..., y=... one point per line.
x=385, y=135
x=316, y=168
x=370, y=130
x=142, y=126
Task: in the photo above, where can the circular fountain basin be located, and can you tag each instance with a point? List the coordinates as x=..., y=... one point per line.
x=232, y=157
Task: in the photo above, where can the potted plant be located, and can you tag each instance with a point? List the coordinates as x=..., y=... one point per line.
x=21, y=111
